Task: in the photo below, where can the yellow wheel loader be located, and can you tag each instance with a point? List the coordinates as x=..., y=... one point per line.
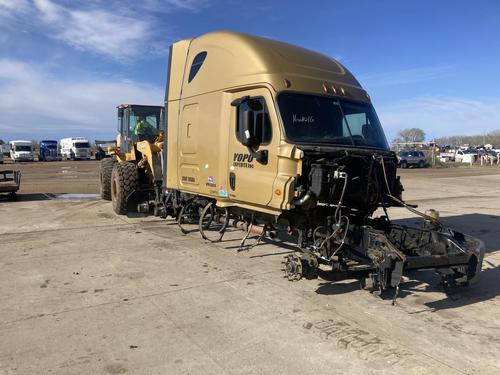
x=274, y=138
x=134, y=170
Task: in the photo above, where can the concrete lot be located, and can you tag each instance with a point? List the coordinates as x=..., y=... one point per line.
x=86, y=292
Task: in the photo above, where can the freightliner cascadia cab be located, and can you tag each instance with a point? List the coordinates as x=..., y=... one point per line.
x=250, y=118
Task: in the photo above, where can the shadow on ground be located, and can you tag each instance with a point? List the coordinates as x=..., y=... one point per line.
x=482, y=226
x=486, y=288
x=32, y=197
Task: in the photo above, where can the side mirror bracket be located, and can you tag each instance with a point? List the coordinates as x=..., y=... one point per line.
x=261, y=156
x=237, y=102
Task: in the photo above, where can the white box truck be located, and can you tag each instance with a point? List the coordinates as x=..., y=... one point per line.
x=75, y=148
x=21, y=151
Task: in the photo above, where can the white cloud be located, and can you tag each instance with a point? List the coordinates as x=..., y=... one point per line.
x=441, y=116
x=50, y=12
x=101, y=31
x=10, y=8
x=107, y=34
x=171, y=5
x=104, y=27
x=14, y=5
x=35, y=104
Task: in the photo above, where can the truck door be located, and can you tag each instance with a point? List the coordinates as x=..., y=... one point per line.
x=124, y=129
x=252, y=170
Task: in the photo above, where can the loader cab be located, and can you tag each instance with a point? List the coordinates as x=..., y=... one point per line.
x=129, y=115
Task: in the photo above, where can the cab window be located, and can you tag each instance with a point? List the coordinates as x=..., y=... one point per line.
x=196, y=65
x=262, y=122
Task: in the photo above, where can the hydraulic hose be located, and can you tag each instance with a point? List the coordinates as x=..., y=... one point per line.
x=389, y=194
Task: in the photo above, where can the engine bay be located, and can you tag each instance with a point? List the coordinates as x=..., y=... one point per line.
x=339, y=237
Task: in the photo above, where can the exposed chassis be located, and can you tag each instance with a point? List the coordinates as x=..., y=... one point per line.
x=381, y=256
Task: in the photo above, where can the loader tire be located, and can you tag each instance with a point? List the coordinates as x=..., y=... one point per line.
x=124, y=180
x=105, y=171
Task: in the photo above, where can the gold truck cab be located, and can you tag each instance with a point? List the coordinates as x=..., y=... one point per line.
x=249, y=116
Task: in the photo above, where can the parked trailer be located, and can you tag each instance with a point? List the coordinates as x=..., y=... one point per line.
x=266, y=135
x=21, y=151
x=75, y=148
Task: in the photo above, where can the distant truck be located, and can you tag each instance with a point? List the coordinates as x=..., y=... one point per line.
x=460, y=155
x=75, y=148
x=5, y=149
x=21, y=151
x=49, y=151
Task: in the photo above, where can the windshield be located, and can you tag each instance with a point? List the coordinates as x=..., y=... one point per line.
x=22, y=148
x=317, y=119
x=82, y=145
x=151, y=115
x=50, y=146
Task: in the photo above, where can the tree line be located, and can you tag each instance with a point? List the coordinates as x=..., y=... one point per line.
x=415, y=135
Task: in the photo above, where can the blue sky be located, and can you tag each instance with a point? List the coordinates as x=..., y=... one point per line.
x=64, y=65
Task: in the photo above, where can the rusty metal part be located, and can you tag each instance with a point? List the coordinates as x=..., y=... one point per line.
x=293, y=267
x=432, y=214
x=258, y=230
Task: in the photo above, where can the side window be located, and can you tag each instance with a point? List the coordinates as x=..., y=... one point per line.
x=196, y=65
x=262, y=122
x=356, y=123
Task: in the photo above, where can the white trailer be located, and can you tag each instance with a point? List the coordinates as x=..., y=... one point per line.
x=21, y=151
x=75, y=148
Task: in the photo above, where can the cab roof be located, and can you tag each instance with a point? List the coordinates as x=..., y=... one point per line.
x=234, y=59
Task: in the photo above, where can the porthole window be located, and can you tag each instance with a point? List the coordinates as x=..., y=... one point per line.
x=196, y=65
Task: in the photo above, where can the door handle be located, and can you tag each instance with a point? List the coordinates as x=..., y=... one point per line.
x=232, y=180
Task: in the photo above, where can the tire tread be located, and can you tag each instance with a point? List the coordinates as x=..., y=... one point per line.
x=127, y=181
x=106, y=169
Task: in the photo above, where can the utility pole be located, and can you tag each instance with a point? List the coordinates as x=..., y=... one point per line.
x=434, y=153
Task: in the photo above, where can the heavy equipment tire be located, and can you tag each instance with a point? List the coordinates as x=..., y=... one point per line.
x=124, y=180
x=105, y=171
